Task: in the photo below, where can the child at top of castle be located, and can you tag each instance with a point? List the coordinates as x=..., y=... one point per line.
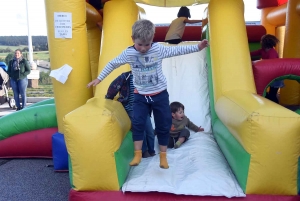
x=177, y=26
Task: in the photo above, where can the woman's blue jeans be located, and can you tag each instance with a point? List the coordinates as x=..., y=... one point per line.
x=19, y=88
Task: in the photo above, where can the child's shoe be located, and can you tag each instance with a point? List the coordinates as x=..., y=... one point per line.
x=177, y=145
x=137, y=158
x=146, y=154
x=163, y=160
x=152, y=154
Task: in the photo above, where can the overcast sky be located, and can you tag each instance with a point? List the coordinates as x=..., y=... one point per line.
x=14, y=19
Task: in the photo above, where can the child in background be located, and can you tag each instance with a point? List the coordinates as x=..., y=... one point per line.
x=150, y=93
x=267, y=51
x=176, y=28
x=123, y=85
x=98, y=5
x=178, y=133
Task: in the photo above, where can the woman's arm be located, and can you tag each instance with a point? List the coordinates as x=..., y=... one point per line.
x=27, y=68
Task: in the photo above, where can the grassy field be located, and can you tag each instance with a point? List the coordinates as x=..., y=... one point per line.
x=41, y=55
x=13, y=47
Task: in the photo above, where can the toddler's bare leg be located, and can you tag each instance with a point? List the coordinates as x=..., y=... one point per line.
x=179, y=142
x=181, y=139
x=137, y=153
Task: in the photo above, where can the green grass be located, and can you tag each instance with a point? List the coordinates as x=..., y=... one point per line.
x=41, y=55
x=3, y=55
x=41, y=91
x=12, y=47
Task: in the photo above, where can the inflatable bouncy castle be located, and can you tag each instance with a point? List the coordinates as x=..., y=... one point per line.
x=251, y=146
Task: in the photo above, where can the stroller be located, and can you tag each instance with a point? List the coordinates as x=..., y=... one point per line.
x=4, y=90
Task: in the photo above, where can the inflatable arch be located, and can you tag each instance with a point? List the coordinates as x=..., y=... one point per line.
x=259, y=139
x=28, y=133
x=267, y=71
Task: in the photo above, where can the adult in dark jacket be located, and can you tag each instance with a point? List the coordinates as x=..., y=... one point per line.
x=123, y=85
x=18, y=69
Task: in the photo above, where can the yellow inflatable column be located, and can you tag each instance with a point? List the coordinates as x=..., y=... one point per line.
x=270, y=28
x=280, y=32
x=71, y=51
x=290, y=94
x=116, y=37
x=230, y=71
x=95, y=131
x=267, y=131
x=94, y=38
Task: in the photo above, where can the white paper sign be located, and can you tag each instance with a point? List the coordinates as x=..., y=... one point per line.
x=63, y=25
x=61, y=74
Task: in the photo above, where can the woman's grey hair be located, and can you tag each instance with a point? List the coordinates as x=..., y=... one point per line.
x=143, y=30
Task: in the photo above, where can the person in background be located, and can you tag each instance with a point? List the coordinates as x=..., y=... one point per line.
x=179, y=133
x=150, y=84
x=123, y=85
x=176, y=28
x=98, y=5
x=267, y=51
x=18, y=69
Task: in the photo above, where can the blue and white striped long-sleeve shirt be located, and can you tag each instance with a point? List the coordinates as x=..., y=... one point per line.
x=146, y=68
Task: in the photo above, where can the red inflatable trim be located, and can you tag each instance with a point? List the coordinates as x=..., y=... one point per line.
x=32, y=144
x=154, y=196
x=265, y=71
x=269, y=3
x=193, y=33
x=255, y=32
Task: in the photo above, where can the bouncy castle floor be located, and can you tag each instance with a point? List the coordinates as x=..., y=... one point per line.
x=198, y=168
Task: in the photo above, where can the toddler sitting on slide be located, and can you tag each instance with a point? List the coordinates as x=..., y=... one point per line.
x=179, y=133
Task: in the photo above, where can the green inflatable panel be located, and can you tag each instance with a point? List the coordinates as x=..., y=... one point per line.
x=39, y=117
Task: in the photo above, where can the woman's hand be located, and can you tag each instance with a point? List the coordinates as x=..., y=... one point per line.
x=93, y=83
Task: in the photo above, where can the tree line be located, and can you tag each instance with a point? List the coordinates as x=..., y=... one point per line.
x=39, y=43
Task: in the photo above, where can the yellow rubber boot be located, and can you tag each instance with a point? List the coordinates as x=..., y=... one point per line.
x=137, y=158
x=163, y=160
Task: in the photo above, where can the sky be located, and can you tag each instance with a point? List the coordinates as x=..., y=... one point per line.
x=14, y=18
